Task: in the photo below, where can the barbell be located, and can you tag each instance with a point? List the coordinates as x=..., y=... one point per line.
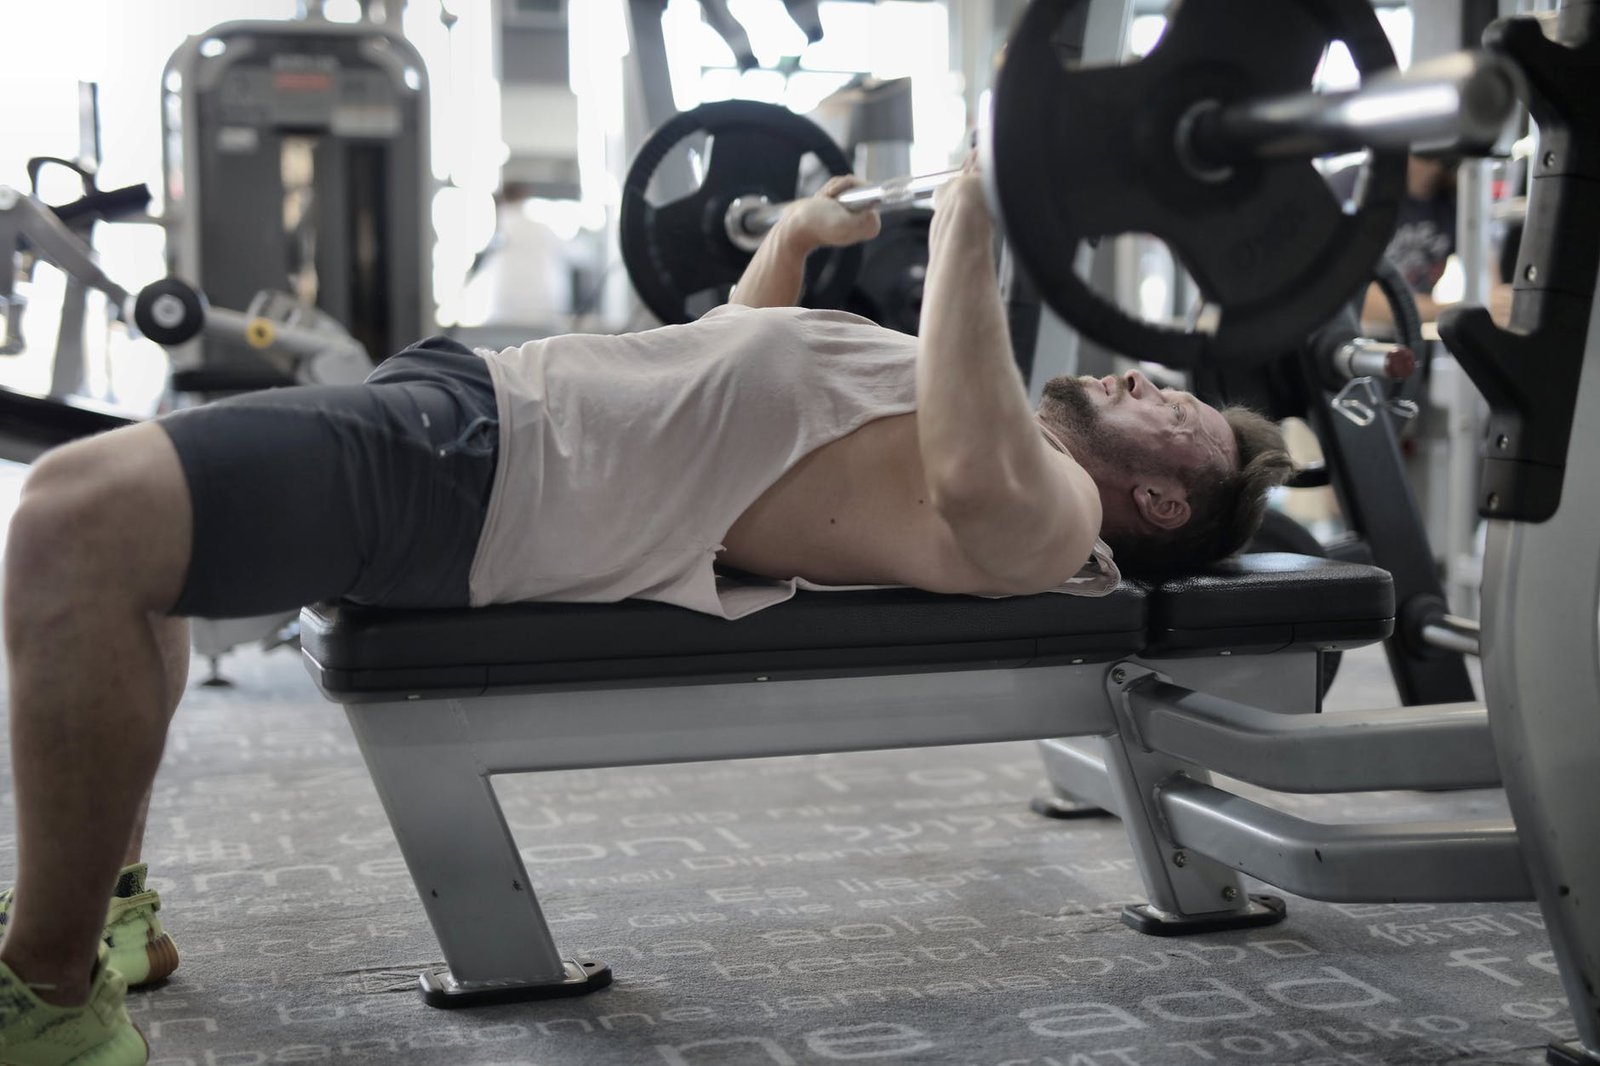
x=1456, y=101
x=1206, y=143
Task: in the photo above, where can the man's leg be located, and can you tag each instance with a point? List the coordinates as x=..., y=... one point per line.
x=98, y=551
x=267, y=501
x=172, y=636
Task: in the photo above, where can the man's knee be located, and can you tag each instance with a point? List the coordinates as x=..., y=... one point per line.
x=109, y=515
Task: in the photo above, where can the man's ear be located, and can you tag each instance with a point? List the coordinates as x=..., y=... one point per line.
x=1162, y=503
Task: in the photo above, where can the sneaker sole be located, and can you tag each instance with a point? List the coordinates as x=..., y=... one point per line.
x=163, y=956
x=127, y=1048
x=160, y=958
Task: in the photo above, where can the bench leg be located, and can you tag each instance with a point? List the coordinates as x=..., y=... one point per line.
x=1189, y=893
x=1076, y=767
x=1079, y=787
x=445, y=815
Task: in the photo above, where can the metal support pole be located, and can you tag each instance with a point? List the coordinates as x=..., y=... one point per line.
x=1463, y=567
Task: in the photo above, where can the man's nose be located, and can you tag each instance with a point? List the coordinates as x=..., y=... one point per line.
x=1138, y=386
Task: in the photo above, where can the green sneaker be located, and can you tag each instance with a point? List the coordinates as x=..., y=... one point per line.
x=140, y=949
x=99, y=1033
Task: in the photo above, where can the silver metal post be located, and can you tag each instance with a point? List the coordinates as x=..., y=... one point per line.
x=55, y=243
x=1463, y=568
x=1453, y=634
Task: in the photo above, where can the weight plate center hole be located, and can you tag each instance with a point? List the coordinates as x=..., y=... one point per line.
x=1183, y=141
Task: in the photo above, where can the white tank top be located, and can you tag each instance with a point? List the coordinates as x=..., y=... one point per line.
x=625, y=459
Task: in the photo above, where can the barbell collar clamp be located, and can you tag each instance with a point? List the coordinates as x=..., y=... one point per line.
x=748, y=219
x=1457, y=102
x=1367, y=358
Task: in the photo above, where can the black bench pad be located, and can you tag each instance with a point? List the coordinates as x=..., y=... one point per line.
x=354, y=650
x=1253, y=604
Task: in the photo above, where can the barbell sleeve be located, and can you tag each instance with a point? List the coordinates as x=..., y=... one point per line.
x=1363, y=357
x=1457, y=102
x=750, y=220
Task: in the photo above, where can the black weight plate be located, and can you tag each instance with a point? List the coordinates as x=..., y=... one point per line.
x=893, y=267
x=681, y=249
x=1080, y=152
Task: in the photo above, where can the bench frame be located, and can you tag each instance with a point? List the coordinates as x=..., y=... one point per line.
x=433, y=761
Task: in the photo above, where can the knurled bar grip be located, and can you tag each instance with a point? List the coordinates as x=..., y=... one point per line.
x=757, y=219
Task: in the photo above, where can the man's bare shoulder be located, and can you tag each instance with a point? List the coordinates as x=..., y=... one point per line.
x=1036, y=535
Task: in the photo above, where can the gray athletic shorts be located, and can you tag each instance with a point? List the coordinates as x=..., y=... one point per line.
x=374, y=493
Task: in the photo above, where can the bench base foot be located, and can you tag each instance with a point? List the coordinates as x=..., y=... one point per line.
x=439, y=989
x=1571, y=1054
x=1064, y=808
x=1263, y=910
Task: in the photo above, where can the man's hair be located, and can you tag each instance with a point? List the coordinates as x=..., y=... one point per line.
x=1225, y=506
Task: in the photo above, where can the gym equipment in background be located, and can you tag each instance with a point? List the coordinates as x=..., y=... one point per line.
x=683, y=257
x=32, y=232
x=303, y=345
x=894, y=265
x=296, y=156
x=1356, y=395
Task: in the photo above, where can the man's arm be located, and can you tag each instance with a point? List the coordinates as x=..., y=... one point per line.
x=776, y=275
x=1021, y=512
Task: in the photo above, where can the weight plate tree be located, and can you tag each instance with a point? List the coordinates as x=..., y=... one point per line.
x=1079, y=152
x=679, y=251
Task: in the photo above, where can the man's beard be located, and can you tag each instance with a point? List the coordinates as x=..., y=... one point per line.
x=1068, y=410
x=1067, y=406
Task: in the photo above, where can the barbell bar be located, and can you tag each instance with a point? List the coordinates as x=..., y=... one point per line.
x=1458, y=102
x=749, y=218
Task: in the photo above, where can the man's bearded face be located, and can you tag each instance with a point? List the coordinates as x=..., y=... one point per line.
x=1067, y=406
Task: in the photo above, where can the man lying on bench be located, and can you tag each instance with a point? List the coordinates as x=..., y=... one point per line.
x=790, y=444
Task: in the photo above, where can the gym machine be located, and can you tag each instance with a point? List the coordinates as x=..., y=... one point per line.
x=297, y=179
x=300, y=343
x=31, y=424
x=298, y=150
x=295, y=157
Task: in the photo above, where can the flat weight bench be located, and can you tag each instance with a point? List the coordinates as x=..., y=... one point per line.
x=440, y=701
